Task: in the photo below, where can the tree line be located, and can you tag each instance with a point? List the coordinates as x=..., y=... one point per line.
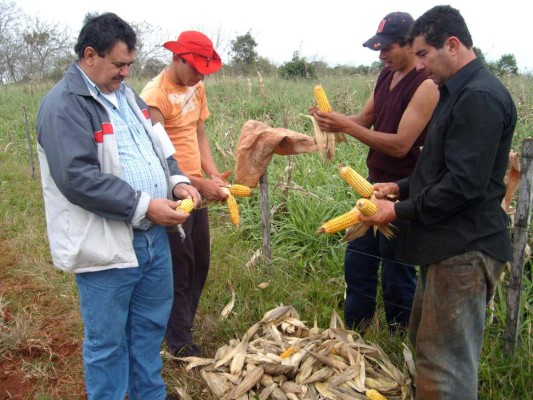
x=32, y=49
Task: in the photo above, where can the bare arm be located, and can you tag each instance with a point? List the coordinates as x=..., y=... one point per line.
x=157, y=116
x=208, y=164
x=414, y=119
x=209, y=188
x=181, y=191
x=366, y=117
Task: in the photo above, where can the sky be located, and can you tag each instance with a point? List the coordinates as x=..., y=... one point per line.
x=330, y=30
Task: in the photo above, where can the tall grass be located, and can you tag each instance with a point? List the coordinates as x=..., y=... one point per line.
x=306, y=270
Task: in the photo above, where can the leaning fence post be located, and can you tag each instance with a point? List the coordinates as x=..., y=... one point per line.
x=265, y=220
x=28, y=138
x=520, y=238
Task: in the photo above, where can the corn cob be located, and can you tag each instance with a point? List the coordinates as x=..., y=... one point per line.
x=357, y=182
x=321, y=99
x=341, y=222
x=373, y=394
x=287, y=353
x=367, y=207
x=233, y=210
x=186, y=205
x=240, y=190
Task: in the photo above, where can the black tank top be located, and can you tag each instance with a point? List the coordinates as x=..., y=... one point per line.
x=389, y=106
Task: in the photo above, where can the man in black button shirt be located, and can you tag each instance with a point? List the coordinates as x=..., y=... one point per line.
x=455, y=227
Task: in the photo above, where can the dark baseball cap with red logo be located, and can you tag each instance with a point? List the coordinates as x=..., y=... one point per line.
x=394, y=27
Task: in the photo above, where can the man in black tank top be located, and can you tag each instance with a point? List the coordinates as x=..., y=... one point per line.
x=392, y=124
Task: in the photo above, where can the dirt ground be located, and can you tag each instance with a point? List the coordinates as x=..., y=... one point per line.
x=45, y=363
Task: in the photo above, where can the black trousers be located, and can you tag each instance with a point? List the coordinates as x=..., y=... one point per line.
x=361, y=268
x=190, y=266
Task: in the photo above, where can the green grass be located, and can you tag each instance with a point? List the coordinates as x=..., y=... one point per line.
x=39, y=316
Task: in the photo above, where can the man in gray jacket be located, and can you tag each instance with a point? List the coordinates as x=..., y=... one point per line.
x=111, y=188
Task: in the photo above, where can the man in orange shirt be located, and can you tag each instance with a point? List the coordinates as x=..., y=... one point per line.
x=177, y=100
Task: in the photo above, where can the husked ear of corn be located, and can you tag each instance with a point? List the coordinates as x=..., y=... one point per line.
x=287, y=353
x=321, y=99
x=367, y=207
x=341, y=222
x=186, y=205
x=233, y=209
x=323, y=105
x=240, y=190
x=356, y=181
x=373, y=394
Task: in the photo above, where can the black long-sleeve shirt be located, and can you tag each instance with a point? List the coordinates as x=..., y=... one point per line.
x=454, y=196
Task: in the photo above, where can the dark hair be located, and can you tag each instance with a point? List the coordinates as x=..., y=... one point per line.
x=102, y=32
x=438, y=24
x=403, y=41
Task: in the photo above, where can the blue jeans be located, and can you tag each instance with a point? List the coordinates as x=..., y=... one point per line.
x=125, y=313
x=361, y=266
x=447, y=324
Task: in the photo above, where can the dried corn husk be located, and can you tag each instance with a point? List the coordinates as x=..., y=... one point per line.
x=325, y=140
x=281, y=358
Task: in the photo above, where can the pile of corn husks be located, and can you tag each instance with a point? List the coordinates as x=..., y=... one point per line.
x=281, y=358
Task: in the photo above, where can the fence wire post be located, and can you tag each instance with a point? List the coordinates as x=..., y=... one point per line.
x=265, y=220
x=28, y=138
x=520, y=238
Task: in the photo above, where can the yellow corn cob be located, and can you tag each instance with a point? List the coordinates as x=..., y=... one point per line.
x=287, y=353
x=341, y=222
x=240, y=190
x=186, y=205
x=356, y=181
x=321, y=99
x=373, y=394
x=367, y=207
x=233, y=210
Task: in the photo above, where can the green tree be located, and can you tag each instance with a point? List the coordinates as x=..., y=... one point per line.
x=480, y=55
x=265, y=67
x=507, y=65
x=243, y=52
x=150, y=53
x=152, y=67
x=243, y=49
x=375, y=67
x=46, y=47
x=297, y=68
x=11, y=19
x=321, y=67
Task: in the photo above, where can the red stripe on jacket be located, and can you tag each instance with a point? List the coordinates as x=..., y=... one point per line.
x=107, y=129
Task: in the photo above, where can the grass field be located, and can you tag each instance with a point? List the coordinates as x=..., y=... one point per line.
x=40, y=326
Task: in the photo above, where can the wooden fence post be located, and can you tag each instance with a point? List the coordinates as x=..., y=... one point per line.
x=521, y=228
x=265, y=220
x=28, y=138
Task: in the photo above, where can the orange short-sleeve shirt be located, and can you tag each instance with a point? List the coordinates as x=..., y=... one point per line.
x=182, y=108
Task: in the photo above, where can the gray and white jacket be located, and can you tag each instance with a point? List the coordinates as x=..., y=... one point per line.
x=90, y=210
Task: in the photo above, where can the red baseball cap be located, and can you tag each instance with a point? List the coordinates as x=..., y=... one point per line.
x=197, y=49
